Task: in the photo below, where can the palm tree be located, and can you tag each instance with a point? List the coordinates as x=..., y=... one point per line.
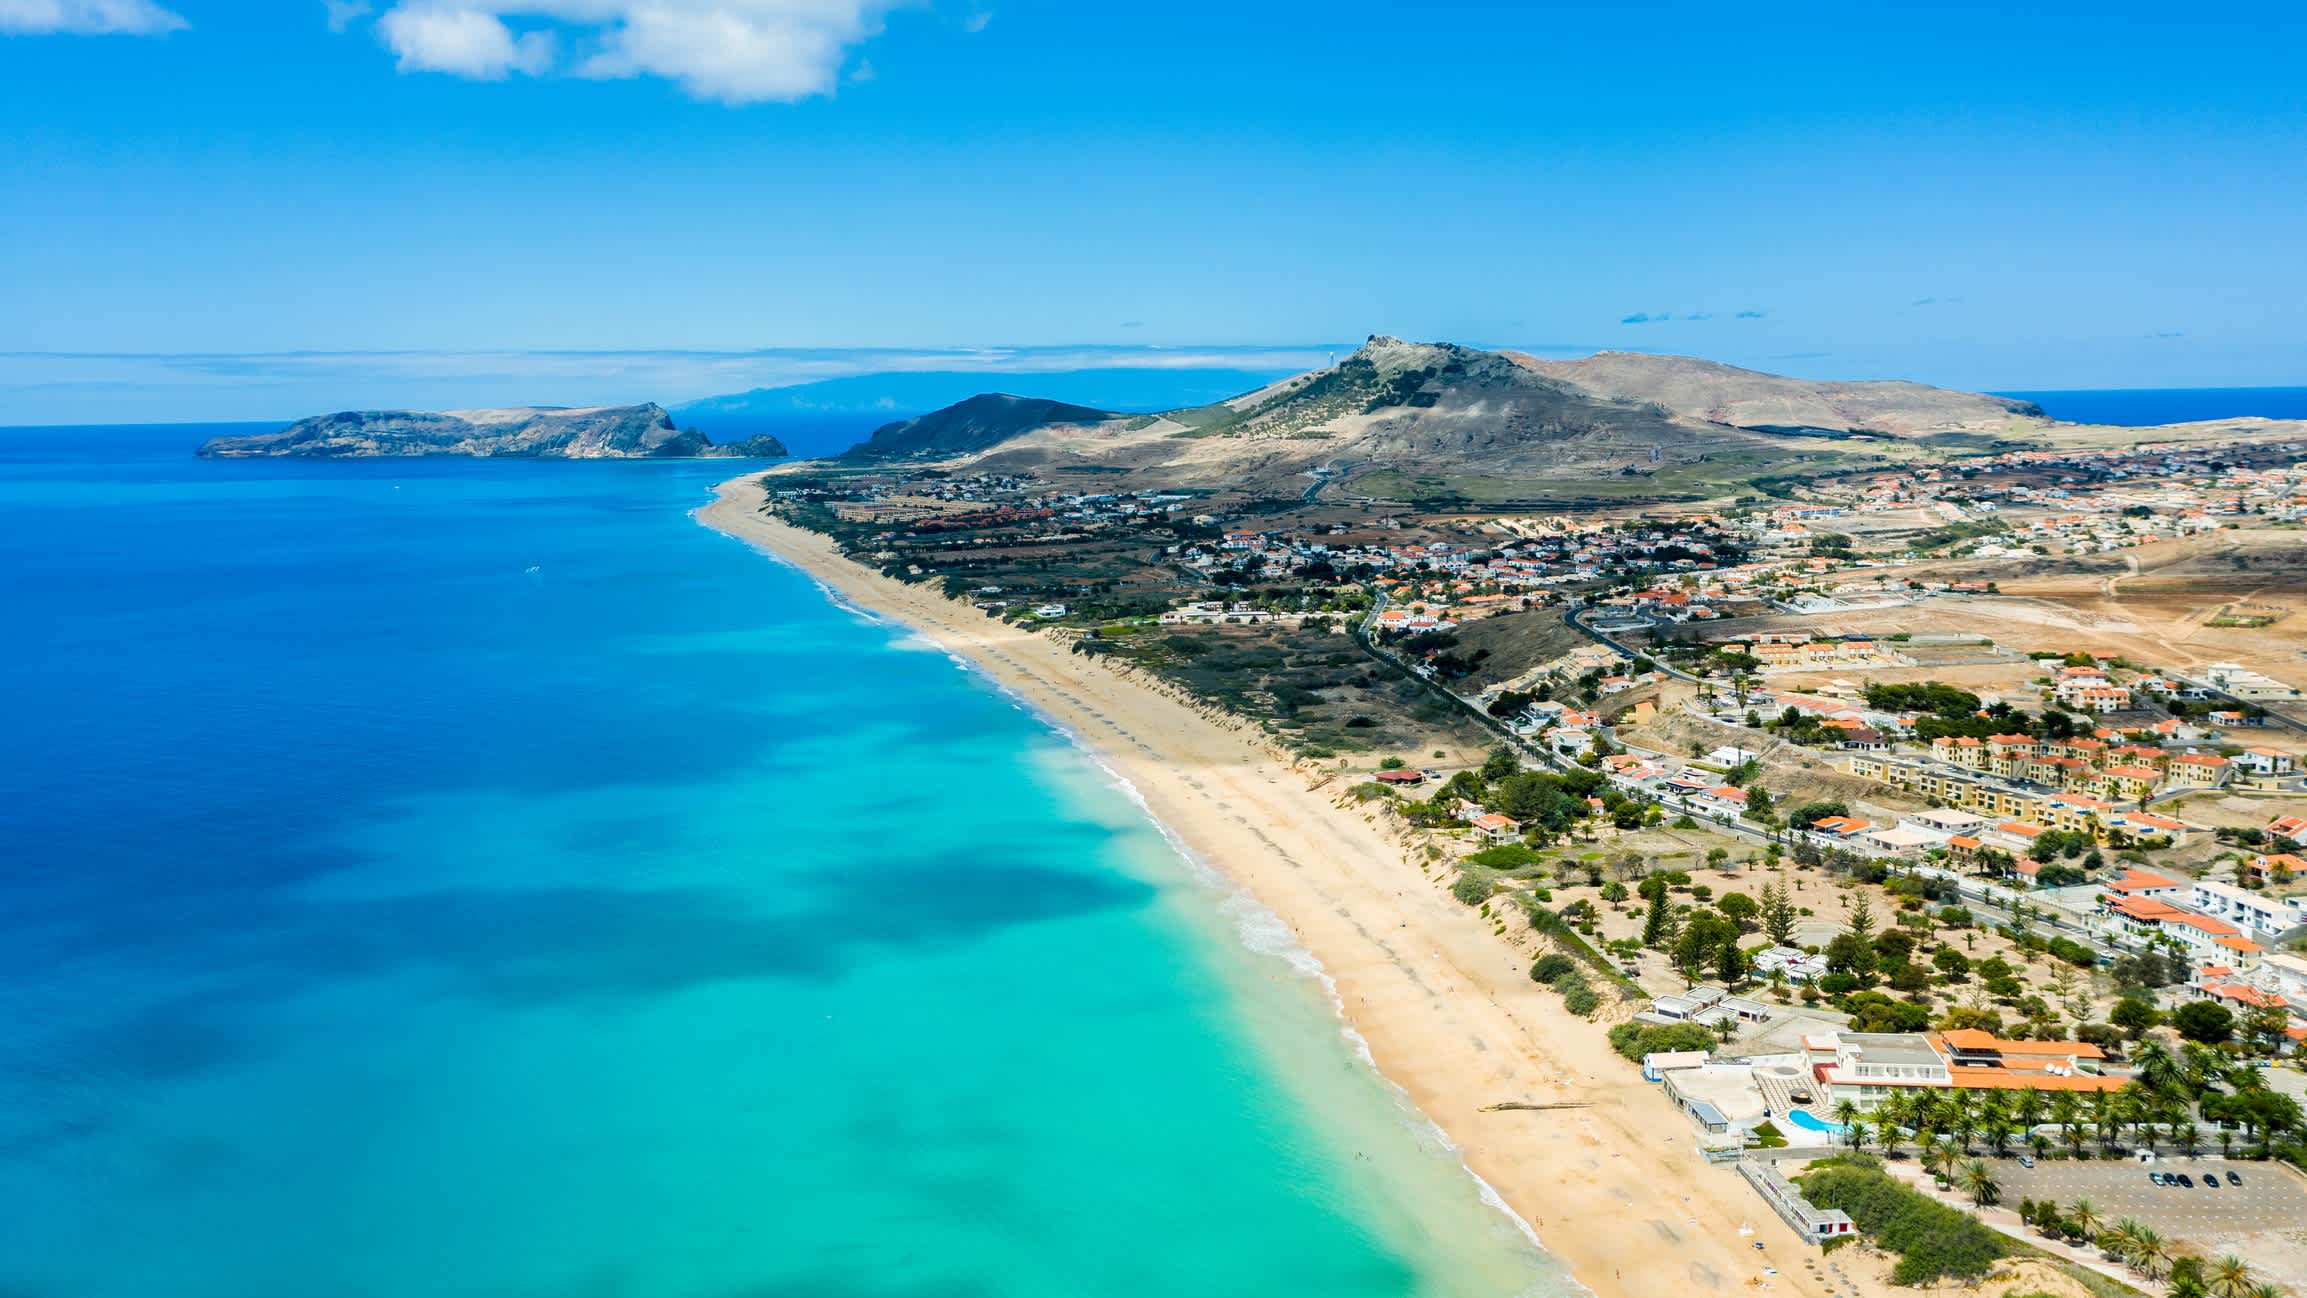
x=2040, y=1143
x=2228, y=1277
x=1999, y=1132
x=2206, y=1069
x=2085, y=1217
x=2158, y=1070
x=2115, y=1241
x=1846, y=1111
x=1939, y=1159
x=2030, y=1106
x=2150, y=1254
x=1857, y=1133
x=2188, y=1136
x=1979, y=1179
x=1890, y=1115
x=2067, y=1110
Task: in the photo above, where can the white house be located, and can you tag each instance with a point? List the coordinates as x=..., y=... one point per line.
x=1798, y=965
x=2255, y=913
x=2266, y=761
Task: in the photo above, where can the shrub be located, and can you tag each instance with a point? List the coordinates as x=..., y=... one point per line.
x=1551, y=966
x=1505, y=856
x=1634, y=1040
x=1581, y=1000
x=1473, y=887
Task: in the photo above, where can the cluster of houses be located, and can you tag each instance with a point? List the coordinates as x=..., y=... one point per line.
x=2018, y=814
x=2099, y=500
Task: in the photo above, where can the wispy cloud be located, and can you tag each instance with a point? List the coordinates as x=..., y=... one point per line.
x=732, y=51
x=1663, y=317
x=2169, y=333
x=342, y=14
x=86, y=18
x=1935, y=301
x=977, y=21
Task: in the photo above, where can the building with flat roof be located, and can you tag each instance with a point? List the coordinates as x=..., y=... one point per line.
x=1864, y=1067
x=1809, y=1221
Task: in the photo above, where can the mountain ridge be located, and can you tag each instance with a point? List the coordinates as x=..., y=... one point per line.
x=1445, y=419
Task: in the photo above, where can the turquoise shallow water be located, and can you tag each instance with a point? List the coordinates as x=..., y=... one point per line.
x=479, y=880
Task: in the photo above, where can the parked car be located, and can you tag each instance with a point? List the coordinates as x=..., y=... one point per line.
x=2186, y=1182
x=2157, y=1178
x=2234, y=1178
x=2026, y=1160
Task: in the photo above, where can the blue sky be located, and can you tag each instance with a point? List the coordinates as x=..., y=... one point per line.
x=223, y=207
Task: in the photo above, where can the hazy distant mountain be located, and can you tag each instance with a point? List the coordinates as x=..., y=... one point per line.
x=895, y=394
x=596, y=432
x=1725, y=394
x=976, y=424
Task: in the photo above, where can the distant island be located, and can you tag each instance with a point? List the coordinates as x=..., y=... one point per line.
x=531, y=432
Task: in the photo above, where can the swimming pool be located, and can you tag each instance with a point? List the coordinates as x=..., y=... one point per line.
x=1803, y=1119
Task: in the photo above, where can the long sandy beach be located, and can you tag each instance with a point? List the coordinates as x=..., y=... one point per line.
x=1615, y=1189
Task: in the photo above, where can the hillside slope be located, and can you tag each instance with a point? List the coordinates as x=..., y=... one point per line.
x=1726, y=394
x=982, y=421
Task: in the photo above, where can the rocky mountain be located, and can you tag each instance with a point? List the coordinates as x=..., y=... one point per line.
x=1725, y=394
x=596, y=432
x=982, y=421
x=1437, y=421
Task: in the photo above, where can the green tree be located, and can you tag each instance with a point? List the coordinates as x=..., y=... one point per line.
x=1778, y=913
x=2134, y=1016
x=2205, y=1022
x=1658, y=928
x=1502, y=762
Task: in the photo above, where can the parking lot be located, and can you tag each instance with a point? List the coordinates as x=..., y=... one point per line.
x=2270, y=1198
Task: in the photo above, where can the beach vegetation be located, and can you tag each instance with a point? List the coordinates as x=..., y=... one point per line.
x=1550, y=966
x=1634, y=1040
x=1475, y=886
x=1933, y=1241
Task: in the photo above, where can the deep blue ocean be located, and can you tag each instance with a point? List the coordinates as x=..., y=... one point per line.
x=2140, y=407
x=470, y=879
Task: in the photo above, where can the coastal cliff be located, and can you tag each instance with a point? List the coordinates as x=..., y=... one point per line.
x=589, y=433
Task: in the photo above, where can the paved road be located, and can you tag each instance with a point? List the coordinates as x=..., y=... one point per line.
x=1575, y=617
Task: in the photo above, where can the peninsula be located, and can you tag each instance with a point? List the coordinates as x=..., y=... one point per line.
x=529, y=432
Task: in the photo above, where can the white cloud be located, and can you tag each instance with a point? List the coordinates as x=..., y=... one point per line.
x=461, y=41
x=734, y=51
x=977, y=22
x=343, y=14
x=86, y=17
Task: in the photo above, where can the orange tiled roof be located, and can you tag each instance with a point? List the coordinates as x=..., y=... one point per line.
x=2003, y=1079
x=1976, y=1039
